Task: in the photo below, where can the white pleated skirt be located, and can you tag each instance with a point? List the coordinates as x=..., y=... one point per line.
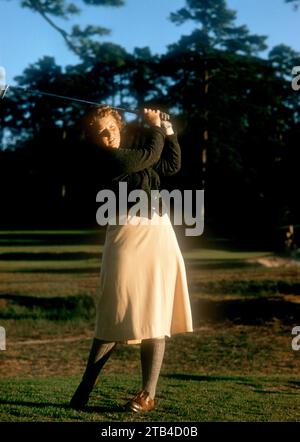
x=143, y=291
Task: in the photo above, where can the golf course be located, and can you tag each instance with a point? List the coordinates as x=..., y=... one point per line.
x=237, y=365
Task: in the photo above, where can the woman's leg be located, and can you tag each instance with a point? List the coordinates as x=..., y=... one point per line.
x=152, y=354
x=99, y=354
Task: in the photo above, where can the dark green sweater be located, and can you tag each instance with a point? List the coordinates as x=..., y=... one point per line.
x=140, y=166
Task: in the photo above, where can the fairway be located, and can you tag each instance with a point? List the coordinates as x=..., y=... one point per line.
x=238, y=365
x=198, y=398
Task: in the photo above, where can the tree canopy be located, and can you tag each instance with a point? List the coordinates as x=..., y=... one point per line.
x=235, y=112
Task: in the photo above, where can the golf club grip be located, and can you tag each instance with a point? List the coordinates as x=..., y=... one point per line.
x=163, y=115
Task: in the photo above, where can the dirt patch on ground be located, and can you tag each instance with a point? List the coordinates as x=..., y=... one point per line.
x=49, y=341
x=275, y=261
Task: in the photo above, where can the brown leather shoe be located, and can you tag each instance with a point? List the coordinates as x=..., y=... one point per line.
x=141, y=402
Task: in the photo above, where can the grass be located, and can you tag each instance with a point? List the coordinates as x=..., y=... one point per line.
x=238, y=365
x=205, y=254
x=198, y=398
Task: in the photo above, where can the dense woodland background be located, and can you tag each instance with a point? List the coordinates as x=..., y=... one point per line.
x=235, y=111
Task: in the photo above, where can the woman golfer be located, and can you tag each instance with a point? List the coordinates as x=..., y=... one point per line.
x=143, y=293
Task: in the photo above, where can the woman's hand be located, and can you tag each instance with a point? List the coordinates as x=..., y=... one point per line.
x=152, y=117
x=168, y=128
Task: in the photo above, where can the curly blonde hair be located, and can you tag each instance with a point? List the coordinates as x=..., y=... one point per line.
x=104, y=111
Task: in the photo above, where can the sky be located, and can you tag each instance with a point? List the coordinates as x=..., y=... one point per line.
x=25, y=37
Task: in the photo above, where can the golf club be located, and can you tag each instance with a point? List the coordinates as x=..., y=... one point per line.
x=5, y=87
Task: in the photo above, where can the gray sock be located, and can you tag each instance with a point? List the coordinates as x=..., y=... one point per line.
x=152, y=354
x=99, y=354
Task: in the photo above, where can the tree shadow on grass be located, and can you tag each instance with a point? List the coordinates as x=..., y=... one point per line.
x=279, y=392
x=63, y=256
x=216, y=264
x=241, y=380
x=253, y=311
x=87, y=409
x=55, y=307
x=33, y=404
x=62, y=270
x=296, y=384
x=204, y=378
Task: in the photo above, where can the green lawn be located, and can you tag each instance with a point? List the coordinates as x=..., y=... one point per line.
x=190, y=397
x=238, y=365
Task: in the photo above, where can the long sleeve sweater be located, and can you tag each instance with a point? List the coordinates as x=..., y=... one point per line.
x=140, y=167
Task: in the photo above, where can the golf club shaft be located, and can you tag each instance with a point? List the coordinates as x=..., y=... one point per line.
x=164, y=116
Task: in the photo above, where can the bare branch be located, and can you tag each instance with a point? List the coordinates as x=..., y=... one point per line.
x=38, y=7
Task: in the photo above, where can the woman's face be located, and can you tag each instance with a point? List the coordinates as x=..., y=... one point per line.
x=109, y=132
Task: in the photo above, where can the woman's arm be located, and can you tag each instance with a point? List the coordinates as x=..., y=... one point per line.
x=121, y=162
x=170, y=160
x=125, y=161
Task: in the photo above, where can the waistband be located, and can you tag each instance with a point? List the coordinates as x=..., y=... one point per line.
x=155, y=206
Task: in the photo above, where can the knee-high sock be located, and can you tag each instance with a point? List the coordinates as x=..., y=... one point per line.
x=99, y=354
x=152, y=354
